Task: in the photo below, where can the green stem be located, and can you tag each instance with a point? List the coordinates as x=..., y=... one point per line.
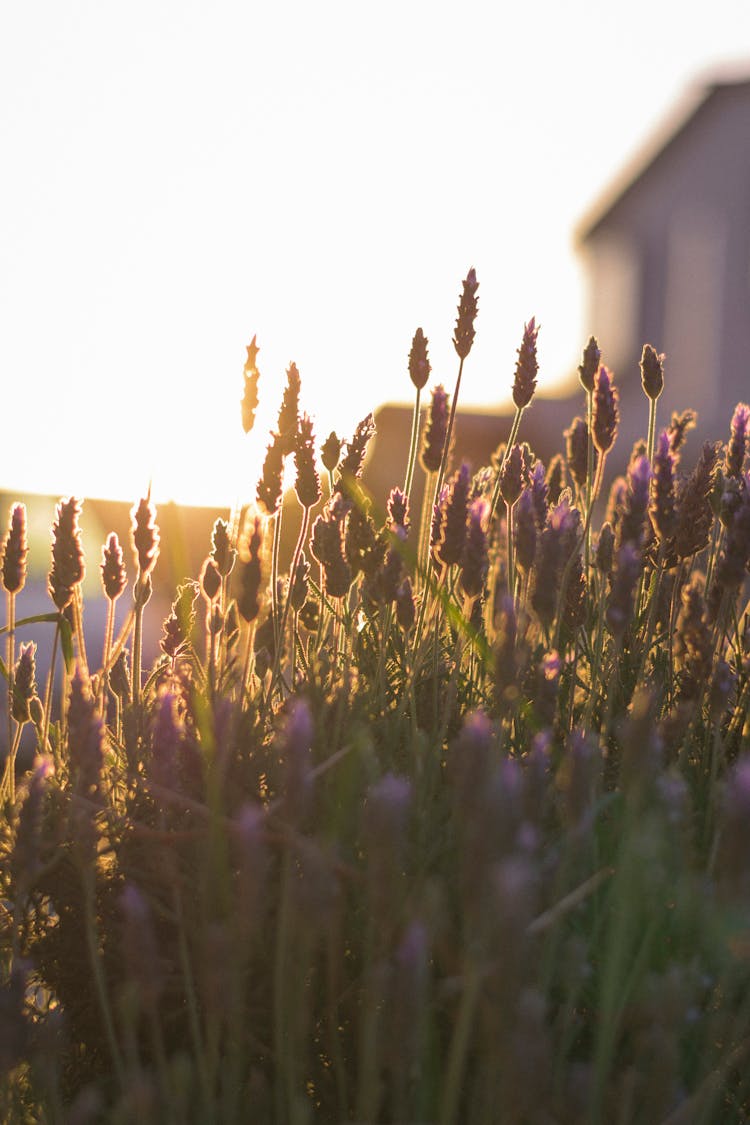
x=48, y=692
x=651, y=429
x=589, y=468
x=275, y=575
x=11, y=658
x=412, y=447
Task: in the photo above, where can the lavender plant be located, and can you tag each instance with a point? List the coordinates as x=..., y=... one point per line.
x=440, y=821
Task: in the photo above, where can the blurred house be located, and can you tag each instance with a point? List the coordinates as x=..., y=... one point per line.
x=668, y=259
x=667, y=253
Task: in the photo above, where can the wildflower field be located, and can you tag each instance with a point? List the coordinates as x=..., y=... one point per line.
x=444, y=818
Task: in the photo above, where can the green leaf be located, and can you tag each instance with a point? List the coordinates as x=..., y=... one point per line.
x=35, y=620
x=66, y=641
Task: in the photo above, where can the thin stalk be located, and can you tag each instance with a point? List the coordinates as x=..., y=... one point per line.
x=589, y=469
x=11, y=658
x=247, y=667
x=275, y=575
x=78, y=619
x=9, y=773
x=109, y=629
x=137, y=642
x=285, y=612
x=425, y=526
x=511, y=556
x=412, y=447
x=48, y=692
x=651, y=429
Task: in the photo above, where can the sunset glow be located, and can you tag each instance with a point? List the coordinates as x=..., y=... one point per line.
x=181, y=177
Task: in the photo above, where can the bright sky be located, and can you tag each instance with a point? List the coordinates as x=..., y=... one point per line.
x=179, y=175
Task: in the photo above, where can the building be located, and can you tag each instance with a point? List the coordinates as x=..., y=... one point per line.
x=668, y=259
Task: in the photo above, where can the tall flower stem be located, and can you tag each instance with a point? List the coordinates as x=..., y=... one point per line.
x=412, y=446
x=275, y=576
x=589, y=471
x=10, y=657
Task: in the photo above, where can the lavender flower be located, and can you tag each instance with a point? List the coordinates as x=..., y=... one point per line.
x=436, y=431
x=577, y=451
x=397, y=507
x=679, y=427
x=475, y=559
x=327, y=545
x=693, y=650
x=627, y=571
x=210, y=579
x=356, y=450
x=15, y=551
x=299, y=587
x=524, y=382
x=652, y=372
x=694, y=513
x=250, y=391
x=307, y=484
x=555, y=546
x=634, y=504
x=289, y=411
x=250, y=576
x=450, y=546
x=179, y=624
x=24, y=683
x=270, y=486
x=556, y=479
x=85, y=738
x=663, y=500
x=467, y=311
x=145, y=535
x=539, y=493
x=514, y=474
x=739, y=440
x=419, y=362
x=330, y=452
x=68, y=567
x=222, y=551
x=604, y=555
x=606, y=415
x=114, y=576
x=592, y=357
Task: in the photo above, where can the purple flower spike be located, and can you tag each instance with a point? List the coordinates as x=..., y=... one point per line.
x=606, y=413
x=739, y=440
x=663, y=503
x=527, y=366
x=475, y=561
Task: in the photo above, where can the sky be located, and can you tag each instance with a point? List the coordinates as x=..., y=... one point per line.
x=179, y=176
